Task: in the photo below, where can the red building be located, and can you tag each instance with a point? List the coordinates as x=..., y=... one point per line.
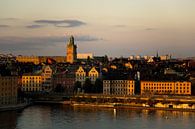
x=65, y=80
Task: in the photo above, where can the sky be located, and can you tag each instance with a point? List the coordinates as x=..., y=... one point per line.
x=103, y=27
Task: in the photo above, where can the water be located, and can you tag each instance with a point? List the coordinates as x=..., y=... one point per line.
x=66, y=117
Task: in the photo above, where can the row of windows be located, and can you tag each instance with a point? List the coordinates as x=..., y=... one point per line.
x=165, y=87
x=8, y=88
x=119, y=90
x=7, y=79
x=31, y=77
x=32, y=81
x=30, y=85
x=8, y=100
x=118, y=81
x=169, y=91
x=118, y=85
x=9, y=94
x=165, y=84
x=32, y=89
x=8, y=84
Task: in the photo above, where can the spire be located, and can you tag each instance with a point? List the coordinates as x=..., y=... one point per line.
x=71, y=40
x=157, y=54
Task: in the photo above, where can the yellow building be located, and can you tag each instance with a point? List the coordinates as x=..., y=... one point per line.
x=80, y=75
x=71, y=52
x=93, y=74
x=27, y=59
x=31, y=82
x=128, y=65
x=160, y=87
x=8, y=89
x=118, y=87
x=84, y=55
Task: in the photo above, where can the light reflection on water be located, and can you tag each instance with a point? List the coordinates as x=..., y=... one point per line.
x=66, y=117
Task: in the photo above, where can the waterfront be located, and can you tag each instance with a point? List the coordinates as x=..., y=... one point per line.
x=62, y=117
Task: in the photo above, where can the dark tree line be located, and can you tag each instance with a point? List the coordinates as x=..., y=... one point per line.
x=88, y=87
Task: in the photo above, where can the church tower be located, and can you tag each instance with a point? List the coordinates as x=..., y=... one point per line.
x=71, y=51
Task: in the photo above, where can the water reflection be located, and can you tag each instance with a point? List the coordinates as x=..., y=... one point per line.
x=61, y=117
x=8, y=120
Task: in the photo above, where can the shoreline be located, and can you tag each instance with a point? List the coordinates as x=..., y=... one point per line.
x=96, y=105
x=129, y=107
x=13, y=107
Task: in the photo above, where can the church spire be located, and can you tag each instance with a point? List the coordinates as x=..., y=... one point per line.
x=71, y=40
x=71, y=50
x=157, y=54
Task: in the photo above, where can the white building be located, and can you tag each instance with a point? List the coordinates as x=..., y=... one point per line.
x=118, y=87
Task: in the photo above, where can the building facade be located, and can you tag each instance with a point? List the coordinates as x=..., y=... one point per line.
x=28, y=59
x=84, y=55
x=8, y=90
x=81, y=75
x=71, y=52
x=118, y=87
x=93, y=74
x=65, y=80
x=32, y=83
x=159, y=87
x=47, y=78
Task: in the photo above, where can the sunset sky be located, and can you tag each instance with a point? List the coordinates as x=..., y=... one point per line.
x=102, y=27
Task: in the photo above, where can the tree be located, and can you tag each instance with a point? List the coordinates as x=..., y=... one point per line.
x=77, y=85
x=98, y=86
x=59, y=88
x=87, y=86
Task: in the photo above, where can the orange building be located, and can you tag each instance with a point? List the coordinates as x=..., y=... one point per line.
x=166, y=87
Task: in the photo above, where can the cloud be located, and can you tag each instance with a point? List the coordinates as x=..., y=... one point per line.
x=150, y=29
x=34, y=26
x=4, y=26
x=120, y=26
x=9, y=19
x=38, y=43
x=87, y=38
x=62, y=23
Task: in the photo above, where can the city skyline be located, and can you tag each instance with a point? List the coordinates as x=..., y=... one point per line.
x=111, y=27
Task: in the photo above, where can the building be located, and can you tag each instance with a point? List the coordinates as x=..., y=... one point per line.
x=93, y=74
x=32, y=82
x=118, y=87
x=47, y=78
x=81, y=75
x=84, y=55
x=58, y=59
x=8, y=90
x=66, y=80
x=71, y=52
x=28, y=59
x=166, y=87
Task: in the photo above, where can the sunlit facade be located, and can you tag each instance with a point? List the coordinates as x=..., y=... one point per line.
x=28, y=59
x=118, y=87
x=169, y=87
x=93, y=74
x=31, y=83
x=81, y=75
